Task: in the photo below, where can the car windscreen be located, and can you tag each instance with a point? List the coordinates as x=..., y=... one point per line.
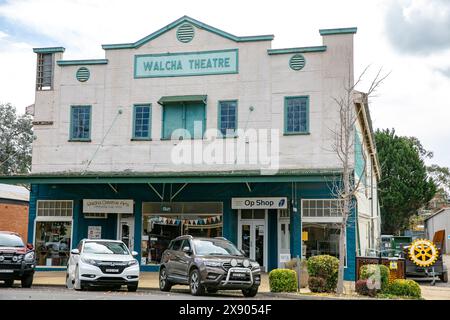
x=104, y=247
x=212, y=247
x=10, y=240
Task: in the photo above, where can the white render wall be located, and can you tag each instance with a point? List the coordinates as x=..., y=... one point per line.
x=262, y=82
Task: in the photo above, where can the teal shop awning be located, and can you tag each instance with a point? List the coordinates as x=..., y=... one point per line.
x=177, y=99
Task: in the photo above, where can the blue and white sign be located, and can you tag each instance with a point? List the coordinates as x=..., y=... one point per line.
x=186, y=64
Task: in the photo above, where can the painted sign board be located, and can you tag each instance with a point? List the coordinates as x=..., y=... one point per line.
x=285, y=257
x=94, y=232
x=186, y=64
x=259, y=203
x=107, y=206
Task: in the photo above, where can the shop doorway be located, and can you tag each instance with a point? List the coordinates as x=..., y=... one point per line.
x=284, y=237
x=252, y=235
x=126, y=229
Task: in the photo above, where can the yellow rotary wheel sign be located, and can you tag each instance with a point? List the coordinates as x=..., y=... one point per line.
x=423, y=253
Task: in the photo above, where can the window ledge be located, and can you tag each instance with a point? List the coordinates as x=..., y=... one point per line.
x=296, y=133
x=141, y=139
x=80, y=140
x=169, y=139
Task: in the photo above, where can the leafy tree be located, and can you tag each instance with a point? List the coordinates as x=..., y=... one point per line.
x=16, y=137
x=404, y=186
x=441, y=176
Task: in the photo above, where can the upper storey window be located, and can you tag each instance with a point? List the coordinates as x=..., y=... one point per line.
x=142, y=122
x=44, y=73
x=228, y=117
x=296, y=115
x=80, y=123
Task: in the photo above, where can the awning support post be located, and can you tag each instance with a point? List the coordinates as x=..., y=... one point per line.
x=156, y=191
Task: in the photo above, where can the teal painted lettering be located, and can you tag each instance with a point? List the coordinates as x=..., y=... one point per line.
x=148, y=65
x=203, y=63
x=209, y=64
x=220, y=62
x=191, y=62
x=227, y=62
x=179, y=66
x=215, y=62
x=156, y=67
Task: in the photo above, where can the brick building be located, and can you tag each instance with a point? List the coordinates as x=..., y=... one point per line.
x=14, y=209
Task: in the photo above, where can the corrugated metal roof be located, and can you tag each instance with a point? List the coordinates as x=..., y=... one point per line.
x=13, y=192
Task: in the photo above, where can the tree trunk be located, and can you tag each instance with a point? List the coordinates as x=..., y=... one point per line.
x=342, y=250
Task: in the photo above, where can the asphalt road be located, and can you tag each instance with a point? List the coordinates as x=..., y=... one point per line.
x=60, y=293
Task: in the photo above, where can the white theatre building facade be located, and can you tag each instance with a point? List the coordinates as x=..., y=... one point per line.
x=192, y=130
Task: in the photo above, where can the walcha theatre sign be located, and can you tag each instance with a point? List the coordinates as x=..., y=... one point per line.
x=186, y=64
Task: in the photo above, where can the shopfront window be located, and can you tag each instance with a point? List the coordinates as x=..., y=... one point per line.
x=53, y=240
x=321, y=238
x=53, y=233
x=160, y=228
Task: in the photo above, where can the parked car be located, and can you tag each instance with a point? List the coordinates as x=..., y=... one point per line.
x=17, y=260
x=210, y=264
x=102, y=263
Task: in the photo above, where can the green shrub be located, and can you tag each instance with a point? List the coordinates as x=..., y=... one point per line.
x=405, y=288
x=283, y=280
x=325, y=267
x=317, y=284
x=370, y=272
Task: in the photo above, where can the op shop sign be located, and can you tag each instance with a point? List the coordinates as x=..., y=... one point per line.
x=186, y=64
x=259, y=203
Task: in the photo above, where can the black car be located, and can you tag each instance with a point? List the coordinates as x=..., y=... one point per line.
x=208, y=264
x=17, y=260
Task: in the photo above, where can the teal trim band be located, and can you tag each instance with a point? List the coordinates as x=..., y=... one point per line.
x=63, y=63
x=49, y=50
x=318, y=175
x=195, y=23
x=327, y=32
x=297, y=50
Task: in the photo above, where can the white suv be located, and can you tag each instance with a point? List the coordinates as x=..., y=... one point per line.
x=102, y=263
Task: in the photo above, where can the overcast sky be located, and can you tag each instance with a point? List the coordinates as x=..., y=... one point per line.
x=411, y=38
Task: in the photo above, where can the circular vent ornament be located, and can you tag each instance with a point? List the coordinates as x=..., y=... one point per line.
x=297, y=62
x=185, y=33
x=83, y=74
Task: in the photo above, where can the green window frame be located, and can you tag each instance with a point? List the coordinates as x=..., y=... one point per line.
x=180, y=116
x=227, y=116
x=142, y=122
x=296, y=115
x=80, y=123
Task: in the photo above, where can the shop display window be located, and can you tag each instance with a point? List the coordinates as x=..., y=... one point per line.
x=53, y=242
x=160, y=229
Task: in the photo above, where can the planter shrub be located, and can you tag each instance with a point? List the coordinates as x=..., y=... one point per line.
x=369, y=272
x=405, y=288
x=325, y=267
x=283, y=280
x=362, y=289
x=317, y=284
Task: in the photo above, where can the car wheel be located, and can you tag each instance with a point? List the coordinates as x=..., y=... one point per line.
x=250, y=292
x=27, y=281
x=197, y=289
x=444, y=277
x=132, y=287
x=9, y=283
x=164, y=283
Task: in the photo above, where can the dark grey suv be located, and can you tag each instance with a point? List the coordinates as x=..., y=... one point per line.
x=210, y=264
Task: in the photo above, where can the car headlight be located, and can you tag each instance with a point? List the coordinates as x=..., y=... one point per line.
x=89, y=261
x=246, y=263
x=233, y=262
x=29, y=257
x=132, y=262
x=213, y=263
